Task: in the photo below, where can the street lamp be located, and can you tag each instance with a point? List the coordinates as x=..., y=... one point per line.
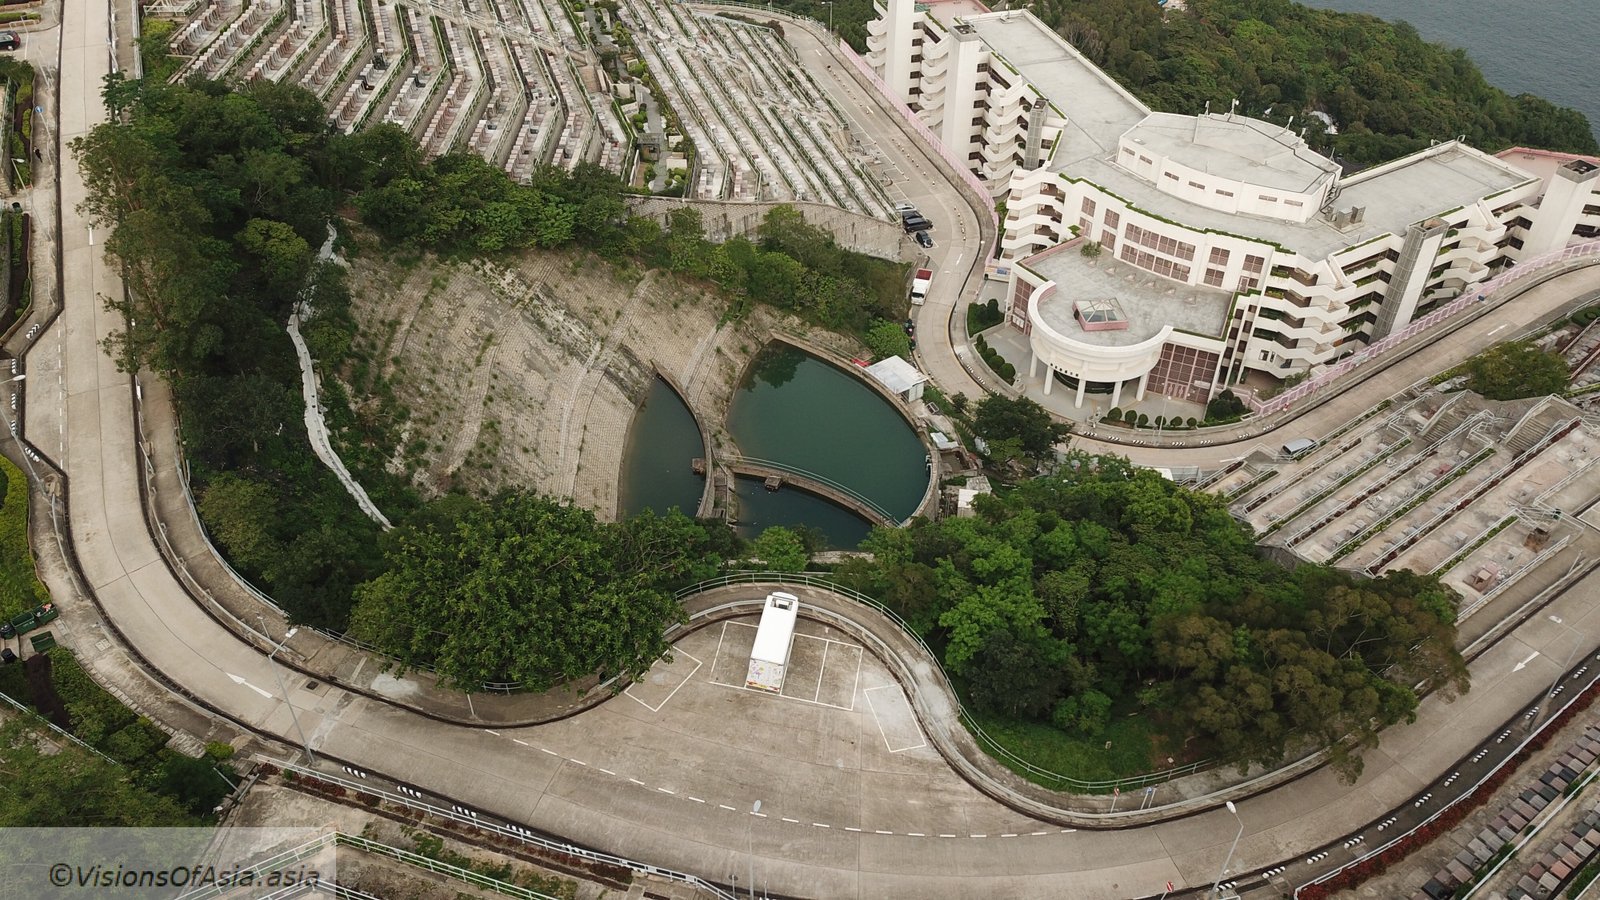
x=749, y=847
x=294, y=716
x=1216, y=887
x=829, y=4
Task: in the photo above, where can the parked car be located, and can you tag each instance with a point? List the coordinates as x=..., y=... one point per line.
x=903, y=208
x=923, y=239
x=9, y=40
x=916, y=223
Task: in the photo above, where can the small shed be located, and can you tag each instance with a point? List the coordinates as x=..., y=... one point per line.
x=899, y=376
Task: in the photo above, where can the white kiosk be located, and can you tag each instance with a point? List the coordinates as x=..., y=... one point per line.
x=771, y=651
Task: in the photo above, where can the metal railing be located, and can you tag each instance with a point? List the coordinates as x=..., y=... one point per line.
x=823, y=480
x=512, y=834
x=1532, y=734
x=26, y=711
x=1538, y=266
x=990, y=744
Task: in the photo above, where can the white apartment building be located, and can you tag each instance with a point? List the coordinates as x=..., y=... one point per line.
x=1179, y=254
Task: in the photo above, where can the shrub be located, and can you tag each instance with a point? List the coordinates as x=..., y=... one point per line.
x=1224, y=405
x=1115, y=414
x=1144, y=420
x=1191, y=422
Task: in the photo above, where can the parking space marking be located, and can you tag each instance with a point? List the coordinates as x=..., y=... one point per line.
x=820, y=674
x=877, y=720
x=674, y=691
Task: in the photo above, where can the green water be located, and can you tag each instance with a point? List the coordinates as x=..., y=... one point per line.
x=759, y=508
x=796, y=409
x=662, y=440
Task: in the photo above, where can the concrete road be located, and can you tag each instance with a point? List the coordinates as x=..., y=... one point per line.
x=671, y=785
x=961, y=237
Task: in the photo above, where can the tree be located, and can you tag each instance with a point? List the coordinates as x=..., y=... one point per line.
x=526, y=589
x=780, y=550
x=886, y=339
x=1102, y=589
x=285, y=257
x=241, y=513
x=1000, y=418
x=69, y=787
x=1516, y=369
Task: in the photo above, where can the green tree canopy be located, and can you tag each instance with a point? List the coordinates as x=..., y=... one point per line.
x=529, y=590
x=780, y=550
x=1516, y=369
x=1104, y=590
x=1001, y=419
x=886, y=339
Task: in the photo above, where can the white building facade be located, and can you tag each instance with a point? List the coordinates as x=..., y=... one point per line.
x=1226, y=245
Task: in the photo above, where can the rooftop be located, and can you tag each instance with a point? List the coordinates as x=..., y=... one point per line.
x=896, y=374
x=1148, y=302
x=1098, y=110
x=1236, y=147
x=1395, y=196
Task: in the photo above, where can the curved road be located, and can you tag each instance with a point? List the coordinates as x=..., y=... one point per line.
x=671, y=785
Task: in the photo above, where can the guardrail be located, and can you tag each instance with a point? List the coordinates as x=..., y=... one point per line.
x=990, y=744
x=1539, y=265
x=518, y=835
x=1554, y=716
x=823, y=480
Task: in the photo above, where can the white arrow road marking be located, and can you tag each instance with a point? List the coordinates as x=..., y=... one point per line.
x=1524, y=664
x=237, y=680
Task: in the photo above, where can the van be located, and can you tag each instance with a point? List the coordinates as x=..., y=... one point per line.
x=915, y=223
x=1299, y=447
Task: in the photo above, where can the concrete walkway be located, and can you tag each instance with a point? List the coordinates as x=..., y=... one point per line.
x=316, y=426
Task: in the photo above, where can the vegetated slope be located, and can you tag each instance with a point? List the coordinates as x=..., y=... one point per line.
x=1076, y=600
x=1388, y=91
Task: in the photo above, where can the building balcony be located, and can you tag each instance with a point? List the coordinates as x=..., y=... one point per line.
x=876, y=28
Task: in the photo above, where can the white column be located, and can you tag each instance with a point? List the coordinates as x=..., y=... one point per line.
x=1033, y=364
x=1116, y=392
x=1082, y=383
x=1049, y=378
x=1143, y=380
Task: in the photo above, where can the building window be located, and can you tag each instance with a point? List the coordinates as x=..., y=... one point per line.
x=1088, y=206
x=1084, y=225
x=1254, y=263
x=1293, y=203
x=1219, y=256
x=1145, y=160
x=1112, y=219
x=1214, y=277
x=1159, y=242
x=1169, y=175
x=1153, y=263
x=1197, y=185
x=1247, y=284
x=1269, y=198
x=1127, y=151
x=1224, y=193
x=1108, y=240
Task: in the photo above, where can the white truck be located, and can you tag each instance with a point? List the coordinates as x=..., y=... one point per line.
x=770, y=654
x=919, y=286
